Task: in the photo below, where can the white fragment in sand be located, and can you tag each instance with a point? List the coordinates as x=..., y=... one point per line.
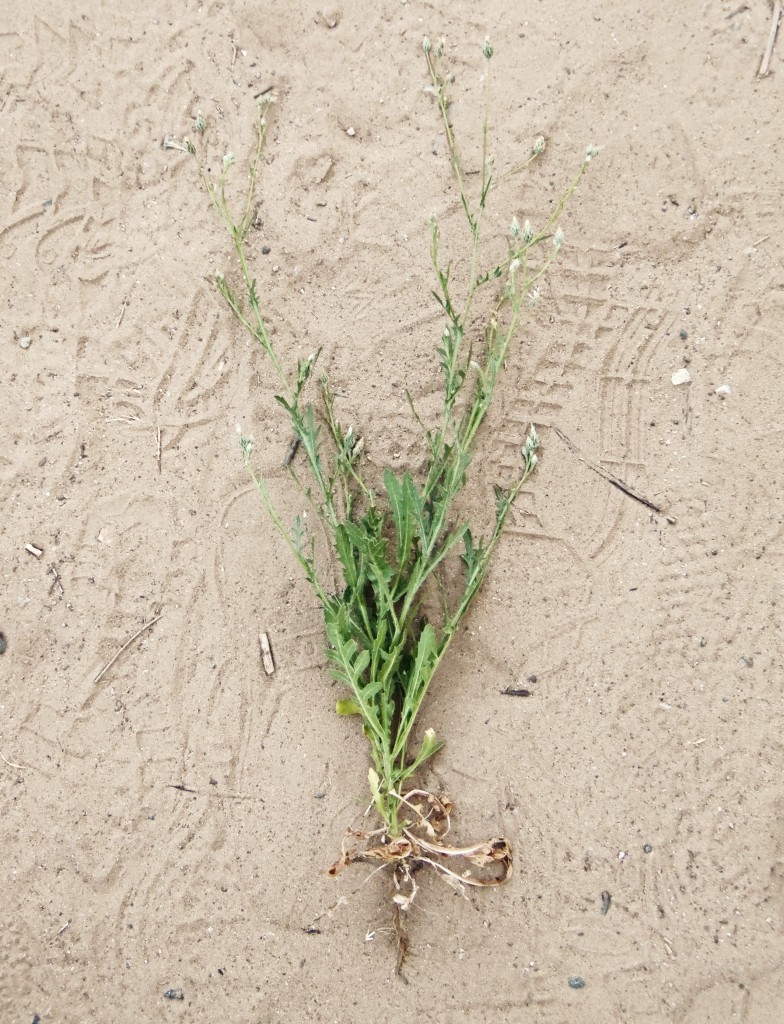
x=266, y=654
x=723, y=390
x=25, y=342
x=351, y=132
x=622, y=855
x=681, y=376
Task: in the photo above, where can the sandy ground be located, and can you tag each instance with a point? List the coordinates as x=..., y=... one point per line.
x=647, y=763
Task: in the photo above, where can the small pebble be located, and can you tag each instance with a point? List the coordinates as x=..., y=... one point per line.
x=647, y=848
x=3, y=643
x=681, y=376
x=265, y=249
x=683, y=334
x=576, y=981
x=25, y=342
x=351, y=132
x=531, y=679
x=606, y=901
x=174, y=993
x=723, y=390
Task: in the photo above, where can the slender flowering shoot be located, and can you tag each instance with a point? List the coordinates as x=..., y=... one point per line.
x=411, y=564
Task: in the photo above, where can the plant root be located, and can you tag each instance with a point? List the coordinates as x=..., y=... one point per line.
x=482, y=864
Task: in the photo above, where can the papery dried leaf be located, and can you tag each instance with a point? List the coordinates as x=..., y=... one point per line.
x=334, y=869
x=497, y=850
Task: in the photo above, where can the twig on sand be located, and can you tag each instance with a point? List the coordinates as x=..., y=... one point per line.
x=266, y=654
x=215, y=793
x=57, y=582
x=127, y=643
x=603, y=473
x=774, y=27
x=123, y=308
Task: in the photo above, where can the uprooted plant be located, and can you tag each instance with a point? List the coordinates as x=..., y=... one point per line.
x=400, y=543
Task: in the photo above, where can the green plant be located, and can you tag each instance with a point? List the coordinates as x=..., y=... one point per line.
x=398, y=541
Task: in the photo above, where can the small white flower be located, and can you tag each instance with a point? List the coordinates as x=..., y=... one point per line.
x=228, y=160
x=590, y=153
x=558, y=238
x=539, y=145
x=427, y=46
x=528, y=232
x=487, y=49
x=533, y=297
x=514, y=266
x=514, y=228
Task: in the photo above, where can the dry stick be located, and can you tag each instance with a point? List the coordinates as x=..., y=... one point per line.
x=159, y=447
x=57, y=581
x=127, y=643
x=122, y=311
x=266, y=654
x=774, y=26
x=603, y=473
x=215, y=793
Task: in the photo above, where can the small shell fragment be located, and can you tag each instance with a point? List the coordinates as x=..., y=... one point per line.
x=723, y=390
x=681, y=376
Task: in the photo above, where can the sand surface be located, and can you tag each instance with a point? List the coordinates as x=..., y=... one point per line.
x=647, y=762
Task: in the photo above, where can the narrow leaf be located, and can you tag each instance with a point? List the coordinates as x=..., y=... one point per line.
x=402, y=514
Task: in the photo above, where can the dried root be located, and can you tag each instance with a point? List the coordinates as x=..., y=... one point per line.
x=420, y=845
